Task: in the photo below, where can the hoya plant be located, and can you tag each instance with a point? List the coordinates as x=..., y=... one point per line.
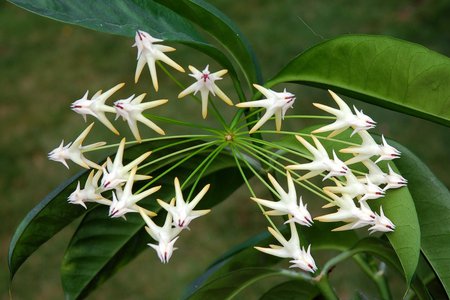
x=381, y=206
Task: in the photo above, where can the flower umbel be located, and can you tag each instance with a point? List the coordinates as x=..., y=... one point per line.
x=74, y=151
x=206, y=84
x=96, y=106
x=183, y=213
x=149, y=53
x=131, y=109
x=287, y=204
x=275, y=104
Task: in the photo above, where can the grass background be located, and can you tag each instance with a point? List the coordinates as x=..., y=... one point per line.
x=46, y=65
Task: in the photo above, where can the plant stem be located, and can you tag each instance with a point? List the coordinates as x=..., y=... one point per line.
x=377, y=277
x=325, y=288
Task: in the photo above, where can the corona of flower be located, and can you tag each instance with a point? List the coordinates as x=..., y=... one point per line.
x=288, y=203
x=301, y=258
x=166, y=236
x=378, y=177
x=126, y=202
x=96, y=106
x=370, y=148
x=382, y=223
x=321, y=161
x=344, y=118
x=206, y=84
x=74, y=151
x=115, y=173
x=149, y=52
x=131, y=109
x=275, y=104
x=183, y=213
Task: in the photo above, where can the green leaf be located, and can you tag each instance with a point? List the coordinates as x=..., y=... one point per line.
x=292, y=290
x=230, y=284
x=432, y=200
x=381, y=70
x=45, y=220
x=125, y=17
x=118, y=241
x=213, y=21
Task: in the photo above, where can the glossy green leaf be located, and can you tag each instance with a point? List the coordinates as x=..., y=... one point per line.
x=230, y=284
x=223, y=30
x=381, y=70
x=292, y=290
x=398, y=206
x=45, y=220
x=432, y=200
x=124, y=17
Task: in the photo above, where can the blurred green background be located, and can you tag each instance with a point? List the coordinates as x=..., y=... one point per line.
x=45, y=65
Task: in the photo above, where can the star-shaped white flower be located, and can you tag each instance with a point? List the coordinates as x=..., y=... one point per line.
x=131, y=109
x=149, y=53
x=126, y=201
x=378, y=177
x=183, y=213
x=206, y=84
x=275, y=104
x=166, y=236
x=96, y=106
x=90, y=193
x=344, y=118
x=354, y=188
x=74, y=151
x=301, y=258
x=348, y=212
x=287, y=205
x=115, y=173
x=382, y=223
x=369, y=148
x=321, y=161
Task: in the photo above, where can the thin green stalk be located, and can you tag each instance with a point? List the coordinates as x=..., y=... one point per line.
x=183, y=123
x=326, y=289
x=377, y=277
x=207, y=162
x=235, y=155
x=178, y=163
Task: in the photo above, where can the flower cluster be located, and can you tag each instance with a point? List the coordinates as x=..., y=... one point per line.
x=113, y=183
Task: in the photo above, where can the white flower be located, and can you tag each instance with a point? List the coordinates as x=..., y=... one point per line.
x=115, y=173
x=131, y=111
x=369, y=148
x=126, y=201
x=90, y=193
x=166, y=236
x=353, y=188
x=74, y=151
x=291, y=249
x=344, y=118
x=382, y=223
x=321, y=161
x=205, y=84
x=183, y=213
x=96, y=106
x=287, y=204
x=149, y=53
x=348, y=212
x=275, y=104
x=378, y=177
